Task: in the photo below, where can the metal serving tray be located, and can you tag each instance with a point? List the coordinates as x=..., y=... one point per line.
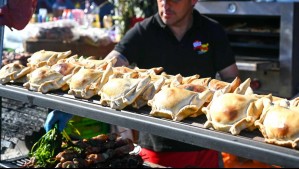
x=248, y=144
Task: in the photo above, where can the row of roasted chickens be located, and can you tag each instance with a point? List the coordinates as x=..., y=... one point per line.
x=230, y=107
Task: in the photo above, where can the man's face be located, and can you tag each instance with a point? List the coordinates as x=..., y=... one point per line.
x=172, y=12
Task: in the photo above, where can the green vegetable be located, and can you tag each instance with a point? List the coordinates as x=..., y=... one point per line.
x=46, y=148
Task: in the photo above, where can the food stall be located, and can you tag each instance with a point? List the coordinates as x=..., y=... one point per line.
x=247, y=144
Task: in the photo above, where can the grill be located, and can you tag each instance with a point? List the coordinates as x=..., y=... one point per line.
x=15, y=162
x=20, y=161
x=263, y=37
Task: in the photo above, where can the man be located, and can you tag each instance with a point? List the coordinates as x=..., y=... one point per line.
x=180, y=40
x=175, y=22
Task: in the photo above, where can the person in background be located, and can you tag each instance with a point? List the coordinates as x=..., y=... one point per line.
x=68, y=4
x=46, y=4
x=75, y=126
x=181, y=40
x=59, y=7
x=105, y=8
x=233, y=161
x=17, y=13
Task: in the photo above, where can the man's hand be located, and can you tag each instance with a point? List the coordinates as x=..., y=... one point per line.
x=229, y=73
x=121, y=59
x=59, y=117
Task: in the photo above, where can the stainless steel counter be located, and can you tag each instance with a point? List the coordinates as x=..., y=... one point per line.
x=247, y=144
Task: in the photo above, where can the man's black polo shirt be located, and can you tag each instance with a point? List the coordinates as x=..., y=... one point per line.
x=204, y=50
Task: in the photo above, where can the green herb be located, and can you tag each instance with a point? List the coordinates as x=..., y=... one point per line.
x=46, y=148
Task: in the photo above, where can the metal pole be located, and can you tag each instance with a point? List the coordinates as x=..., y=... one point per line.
x=2, y=2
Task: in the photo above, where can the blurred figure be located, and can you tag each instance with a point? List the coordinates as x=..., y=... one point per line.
x=60, y=5
x=232, y=161
x=68, y=4
x=17, y=13
x=46, y=4
x=105, y=8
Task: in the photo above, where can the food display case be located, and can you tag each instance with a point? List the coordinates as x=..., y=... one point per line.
x=248, y=144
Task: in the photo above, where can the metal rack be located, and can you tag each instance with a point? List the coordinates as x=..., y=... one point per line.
x=247, y=144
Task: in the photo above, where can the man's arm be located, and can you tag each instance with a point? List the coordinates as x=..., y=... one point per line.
x=121, y=59
x=229, y=73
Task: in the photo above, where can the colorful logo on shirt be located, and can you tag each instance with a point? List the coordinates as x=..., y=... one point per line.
x=200, y=47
